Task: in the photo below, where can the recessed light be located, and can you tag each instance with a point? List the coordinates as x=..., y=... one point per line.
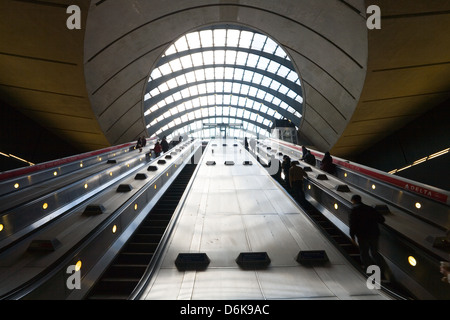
x=78, y=266
x=412, y=261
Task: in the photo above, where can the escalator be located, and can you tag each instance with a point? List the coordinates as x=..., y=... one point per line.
x=341, y=241
x=122, y=276
x=351, y=251
x=332, y=232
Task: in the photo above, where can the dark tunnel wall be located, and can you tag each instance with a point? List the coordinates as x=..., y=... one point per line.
x=24, y=138
x=424, y=136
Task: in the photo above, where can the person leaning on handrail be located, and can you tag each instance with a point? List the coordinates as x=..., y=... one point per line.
x=327, y=164
x=363, y=223
x=296, y=176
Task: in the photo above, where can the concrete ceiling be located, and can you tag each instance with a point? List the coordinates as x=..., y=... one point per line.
x=327, y=44
x=87, y=85
x=408, y=71
x=42, y=71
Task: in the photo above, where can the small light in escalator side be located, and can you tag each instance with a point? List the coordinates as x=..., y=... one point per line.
x=412, y=261
x=78, y=266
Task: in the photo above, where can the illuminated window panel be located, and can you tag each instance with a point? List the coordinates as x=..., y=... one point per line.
x=249, y=78
x=233, y=73
x=182, y=44
x=171, y=50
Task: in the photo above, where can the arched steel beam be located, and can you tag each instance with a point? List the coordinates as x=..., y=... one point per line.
x=291, y=102
x=163, y=79
x=282, y=61
x=286, y=114
x=176, y=127
x=204, y=129
x=181, y=113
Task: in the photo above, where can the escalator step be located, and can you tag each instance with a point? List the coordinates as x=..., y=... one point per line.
x=113, y=288
x=122, y=276
x=134, y=258
x=158, y=216
x=350, y=248
x=155, y=223
x=109, y=296
x=151, y=229
x=142, y=237
x=166, y=208
x=177, y=188
x=339, y=238
x=333, y=231
x=141, y=247
x=168, y=204
x=125, y=271
x=327, y=225
x=174, y=196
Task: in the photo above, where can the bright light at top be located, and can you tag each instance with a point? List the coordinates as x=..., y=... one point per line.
x=222, y=76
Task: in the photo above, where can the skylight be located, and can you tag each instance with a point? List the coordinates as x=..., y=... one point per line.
x=218, y=78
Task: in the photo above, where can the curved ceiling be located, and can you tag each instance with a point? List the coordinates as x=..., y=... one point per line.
x=42, y=70
x=222, y=74
x=325, y=41
x=358, y=85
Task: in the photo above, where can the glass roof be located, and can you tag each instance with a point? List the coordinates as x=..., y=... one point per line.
x=223, y=78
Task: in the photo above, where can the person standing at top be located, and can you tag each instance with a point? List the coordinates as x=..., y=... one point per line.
x=285, y=166
x=363, y=223
x=327, y=164
x=164, y=145
x=296, y=175
x=157, y=148
x=140, y=143
x=304, y=151
x=310, y=159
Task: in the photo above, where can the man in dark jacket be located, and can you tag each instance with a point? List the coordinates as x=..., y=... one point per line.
x=310, y=158
x=296, y=176
x=285, y=166
x=327, y=164
x=164, y=145
x=363, y=222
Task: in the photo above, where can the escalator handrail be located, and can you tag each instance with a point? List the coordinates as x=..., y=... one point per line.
x=56, y=163
x=418, y=188
x=28, y=287
x=159, y=252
